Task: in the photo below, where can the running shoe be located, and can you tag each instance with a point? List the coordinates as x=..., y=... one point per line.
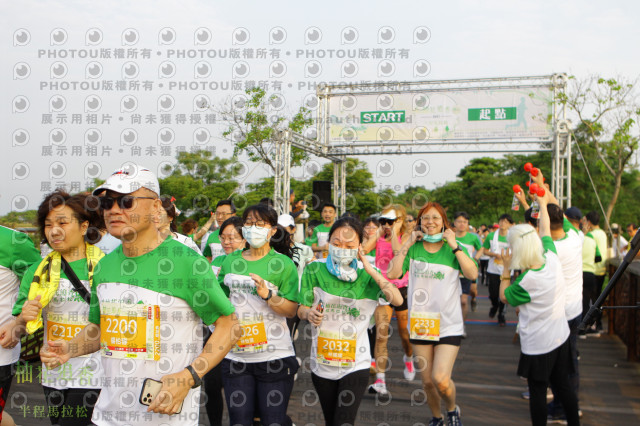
x=436, y=421
x=474, y=304
x=379, y=387
x=453, y=417
x=409, y=371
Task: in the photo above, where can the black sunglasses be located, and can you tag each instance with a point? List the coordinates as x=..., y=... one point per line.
x=124, y=201
x=385, y=221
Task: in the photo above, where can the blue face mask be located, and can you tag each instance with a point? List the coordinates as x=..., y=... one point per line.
x=435, y=238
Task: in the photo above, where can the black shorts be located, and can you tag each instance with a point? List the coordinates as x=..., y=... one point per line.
x=404, y=306
x=466, y=285
x=448, y=340
x=6, y=376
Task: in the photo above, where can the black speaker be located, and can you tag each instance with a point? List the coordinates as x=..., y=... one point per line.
x=321, y=194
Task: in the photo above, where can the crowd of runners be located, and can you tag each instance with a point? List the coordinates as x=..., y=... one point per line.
x=141, y=322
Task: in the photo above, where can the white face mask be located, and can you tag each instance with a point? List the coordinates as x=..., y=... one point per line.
x=343, y=257
x=255, y=236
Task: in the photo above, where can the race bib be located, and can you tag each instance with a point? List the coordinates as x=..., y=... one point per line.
x=253, y=339
x=130, y=332
x=61, y=327
x=336, y=351
x=497, y=261
x=425, y=326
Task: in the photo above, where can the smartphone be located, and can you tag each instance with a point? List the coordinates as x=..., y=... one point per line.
x=320, y=307
x=150, y=389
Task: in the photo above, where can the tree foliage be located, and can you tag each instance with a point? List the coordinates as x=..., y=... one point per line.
x=253, y=121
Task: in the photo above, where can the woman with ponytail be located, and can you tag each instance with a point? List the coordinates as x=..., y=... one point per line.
x=262, y=283
x=55, y=294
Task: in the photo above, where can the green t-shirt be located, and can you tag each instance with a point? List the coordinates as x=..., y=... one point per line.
x=17, y=252
x=170, y=269
x=78, y=266
x=487, y=241
x=320, y=235
x=316, y=274
x=275, y=268
x=266, y=335
x=341, y=345
x=471, y=242
x=214, y=238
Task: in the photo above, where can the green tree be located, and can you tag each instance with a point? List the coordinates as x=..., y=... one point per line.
x=607, y=112
x=254, y=121
x=199, y=180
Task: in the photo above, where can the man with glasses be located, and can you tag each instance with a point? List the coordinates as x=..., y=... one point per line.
x=472, y=243
x=224, y=210
x=148, y=302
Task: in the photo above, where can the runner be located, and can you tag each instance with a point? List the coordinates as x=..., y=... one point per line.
x=393, y=232
x=262, y=283
x=17, y=254
x=302, y=257
x=434, y=259
x=320, y=237
x=213, y=248
x=148, y=285
x=231, y=240
x=493, y=244
x=339, y=298
x=539, y=292
x=55, y=294
x=593, y=219
x=371, y=226
x=167, y=225
x=472, y=243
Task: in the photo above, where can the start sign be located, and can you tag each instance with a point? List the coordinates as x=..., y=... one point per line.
x=373, y=117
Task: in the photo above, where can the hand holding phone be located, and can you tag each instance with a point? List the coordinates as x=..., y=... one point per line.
x=150, y=390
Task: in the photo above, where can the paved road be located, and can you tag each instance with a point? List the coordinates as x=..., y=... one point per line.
x=488, y=388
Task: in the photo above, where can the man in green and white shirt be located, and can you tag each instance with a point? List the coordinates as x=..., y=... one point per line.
x=493, y=246
x=148, y=303
x=319, y=240
x=472, y=243
x=213, y=247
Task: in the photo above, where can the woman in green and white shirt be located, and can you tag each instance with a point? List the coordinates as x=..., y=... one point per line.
x=48, y=299
x=262, y=284
x=434, y=261
x=540, y=293
x=339, y=299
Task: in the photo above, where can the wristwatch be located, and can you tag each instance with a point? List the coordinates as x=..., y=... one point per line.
x=457, y=249
x=196, y=379
x=266, y=299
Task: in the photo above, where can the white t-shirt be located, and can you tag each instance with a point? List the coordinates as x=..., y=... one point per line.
x=108, y=243
x=65, y=316
x=150, y=311
x=569, y=251
x=302, y=256
x=340, y=345
x=187, y=241
x=496, y=246
x=266, y=335
x=434, y=288
x=618, y=245
x=540, y=294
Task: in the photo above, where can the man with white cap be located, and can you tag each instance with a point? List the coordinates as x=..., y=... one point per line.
x=148, y=302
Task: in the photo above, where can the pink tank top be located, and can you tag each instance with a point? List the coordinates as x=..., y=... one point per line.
x=384, y=254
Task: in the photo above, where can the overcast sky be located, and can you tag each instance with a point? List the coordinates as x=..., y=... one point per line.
x=459, y=39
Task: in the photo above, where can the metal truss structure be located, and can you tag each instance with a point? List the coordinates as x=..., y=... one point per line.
x=559, y=143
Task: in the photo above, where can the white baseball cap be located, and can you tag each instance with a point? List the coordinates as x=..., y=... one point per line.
x=128, y=179
x=286, y=220
x=391, y=214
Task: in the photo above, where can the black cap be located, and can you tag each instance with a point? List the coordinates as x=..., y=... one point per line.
x=573, y=213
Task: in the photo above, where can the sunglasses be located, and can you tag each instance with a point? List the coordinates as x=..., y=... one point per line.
x=385, y=221
x=124, y=201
